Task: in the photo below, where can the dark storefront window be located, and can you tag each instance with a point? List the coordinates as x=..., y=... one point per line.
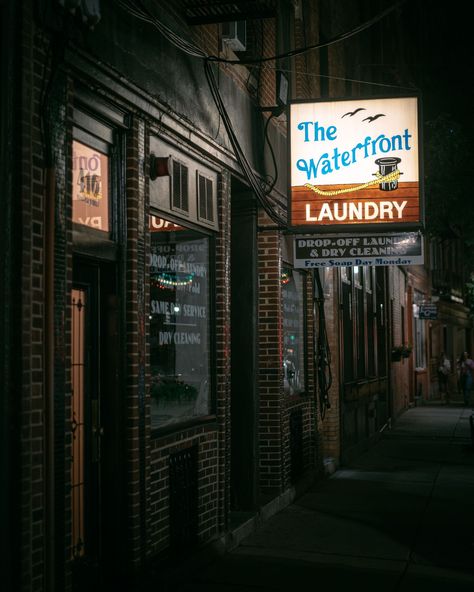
x=179, y=323
x=380, y=319
x=363, y=323
x=293, y=299
x=371, y=337
x=360, y=320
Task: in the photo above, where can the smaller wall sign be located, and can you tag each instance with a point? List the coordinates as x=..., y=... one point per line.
x=351, y=250
x=428, y=312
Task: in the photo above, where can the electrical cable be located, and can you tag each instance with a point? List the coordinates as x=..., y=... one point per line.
x=343, y=79
x=264, y=200
x=275, y=165
x=261, y=196
x=322, y=350
x=141, y=12
x=301, y=50
x=193, y=50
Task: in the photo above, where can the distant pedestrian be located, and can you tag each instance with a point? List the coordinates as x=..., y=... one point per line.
x=444, y=370
x=466, y=369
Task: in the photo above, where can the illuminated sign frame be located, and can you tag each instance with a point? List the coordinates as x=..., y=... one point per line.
x=356, y=165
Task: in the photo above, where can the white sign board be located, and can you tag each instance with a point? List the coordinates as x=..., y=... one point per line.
x=355, y=162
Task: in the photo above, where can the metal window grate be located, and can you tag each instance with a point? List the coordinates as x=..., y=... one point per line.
x=296, y=444
x=183, y=478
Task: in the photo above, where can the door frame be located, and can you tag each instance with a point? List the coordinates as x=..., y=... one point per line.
x=104, y=470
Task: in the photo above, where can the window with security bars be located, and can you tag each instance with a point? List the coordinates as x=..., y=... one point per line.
x=294, y=354
x=205, y=198
x=180, y=192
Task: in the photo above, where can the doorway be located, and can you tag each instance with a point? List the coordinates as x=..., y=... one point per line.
x=244, y=339
x=96, y=475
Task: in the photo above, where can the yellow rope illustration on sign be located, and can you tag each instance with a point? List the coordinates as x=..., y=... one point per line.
x=393, y=176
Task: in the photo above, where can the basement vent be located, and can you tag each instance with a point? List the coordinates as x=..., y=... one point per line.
x=179, y=187
x=234, y=35
x=205, y=198
x=183, y=468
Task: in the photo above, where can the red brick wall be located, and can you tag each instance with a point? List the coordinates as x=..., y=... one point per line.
x=44, y=486
x=270, y=362
x=209, y=486
x=275, y=406
x=138, y=413
x=31, y=194
x=223, y=350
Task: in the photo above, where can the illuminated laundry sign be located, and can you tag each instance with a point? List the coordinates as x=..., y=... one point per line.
x=355, y=162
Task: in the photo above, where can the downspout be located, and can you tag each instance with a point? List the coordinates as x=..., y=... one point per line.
x=49, y=228
x=389, y=339
x=57, y=52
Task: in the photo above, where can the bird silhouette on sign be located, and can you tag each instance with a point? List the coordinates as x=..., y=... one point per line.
x=373, y=117
x=351, y=113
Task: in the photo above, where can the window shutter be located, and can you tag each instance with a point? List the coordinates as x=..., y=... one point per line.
x=180, y=194
x=205, y=199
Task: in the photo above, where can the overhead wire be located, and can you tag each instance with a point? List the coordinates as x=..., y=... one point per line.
x=344, y=79
x=272, y=152
x=139, y=10
x=261, y=196
x=301, y=50
x=144, y=14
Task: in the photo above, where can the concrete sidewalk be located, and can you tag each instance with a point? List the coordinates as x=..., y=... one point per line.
x=399, y=518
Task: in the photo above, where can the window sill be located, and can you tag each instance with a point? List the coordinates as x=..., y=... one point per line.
x=191, y=424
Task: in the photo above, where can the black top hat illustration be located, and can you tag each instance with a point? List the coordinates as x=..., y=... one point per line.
x=388, y=165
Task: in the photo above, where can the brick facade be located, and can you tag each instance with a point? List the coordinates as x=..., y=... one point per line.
x=295, y=434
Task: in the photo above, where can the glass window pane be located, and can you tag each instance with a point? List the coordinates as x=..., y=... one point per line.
x=357, y=273
x=179, y=323
x=90, y=187
x=293, y=331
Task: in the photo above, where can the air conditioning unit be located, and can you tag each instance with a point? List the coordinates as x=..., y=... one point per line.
x=234, y=34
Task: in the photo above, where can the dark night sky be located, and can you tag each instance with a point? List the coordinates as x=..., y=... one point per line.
x=442, y=33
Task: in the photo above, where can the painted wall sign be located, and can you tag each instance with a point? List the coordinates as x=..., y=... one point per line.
x=355, y=162
x=345, y=250
x=90, y=198
x=157, y=224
